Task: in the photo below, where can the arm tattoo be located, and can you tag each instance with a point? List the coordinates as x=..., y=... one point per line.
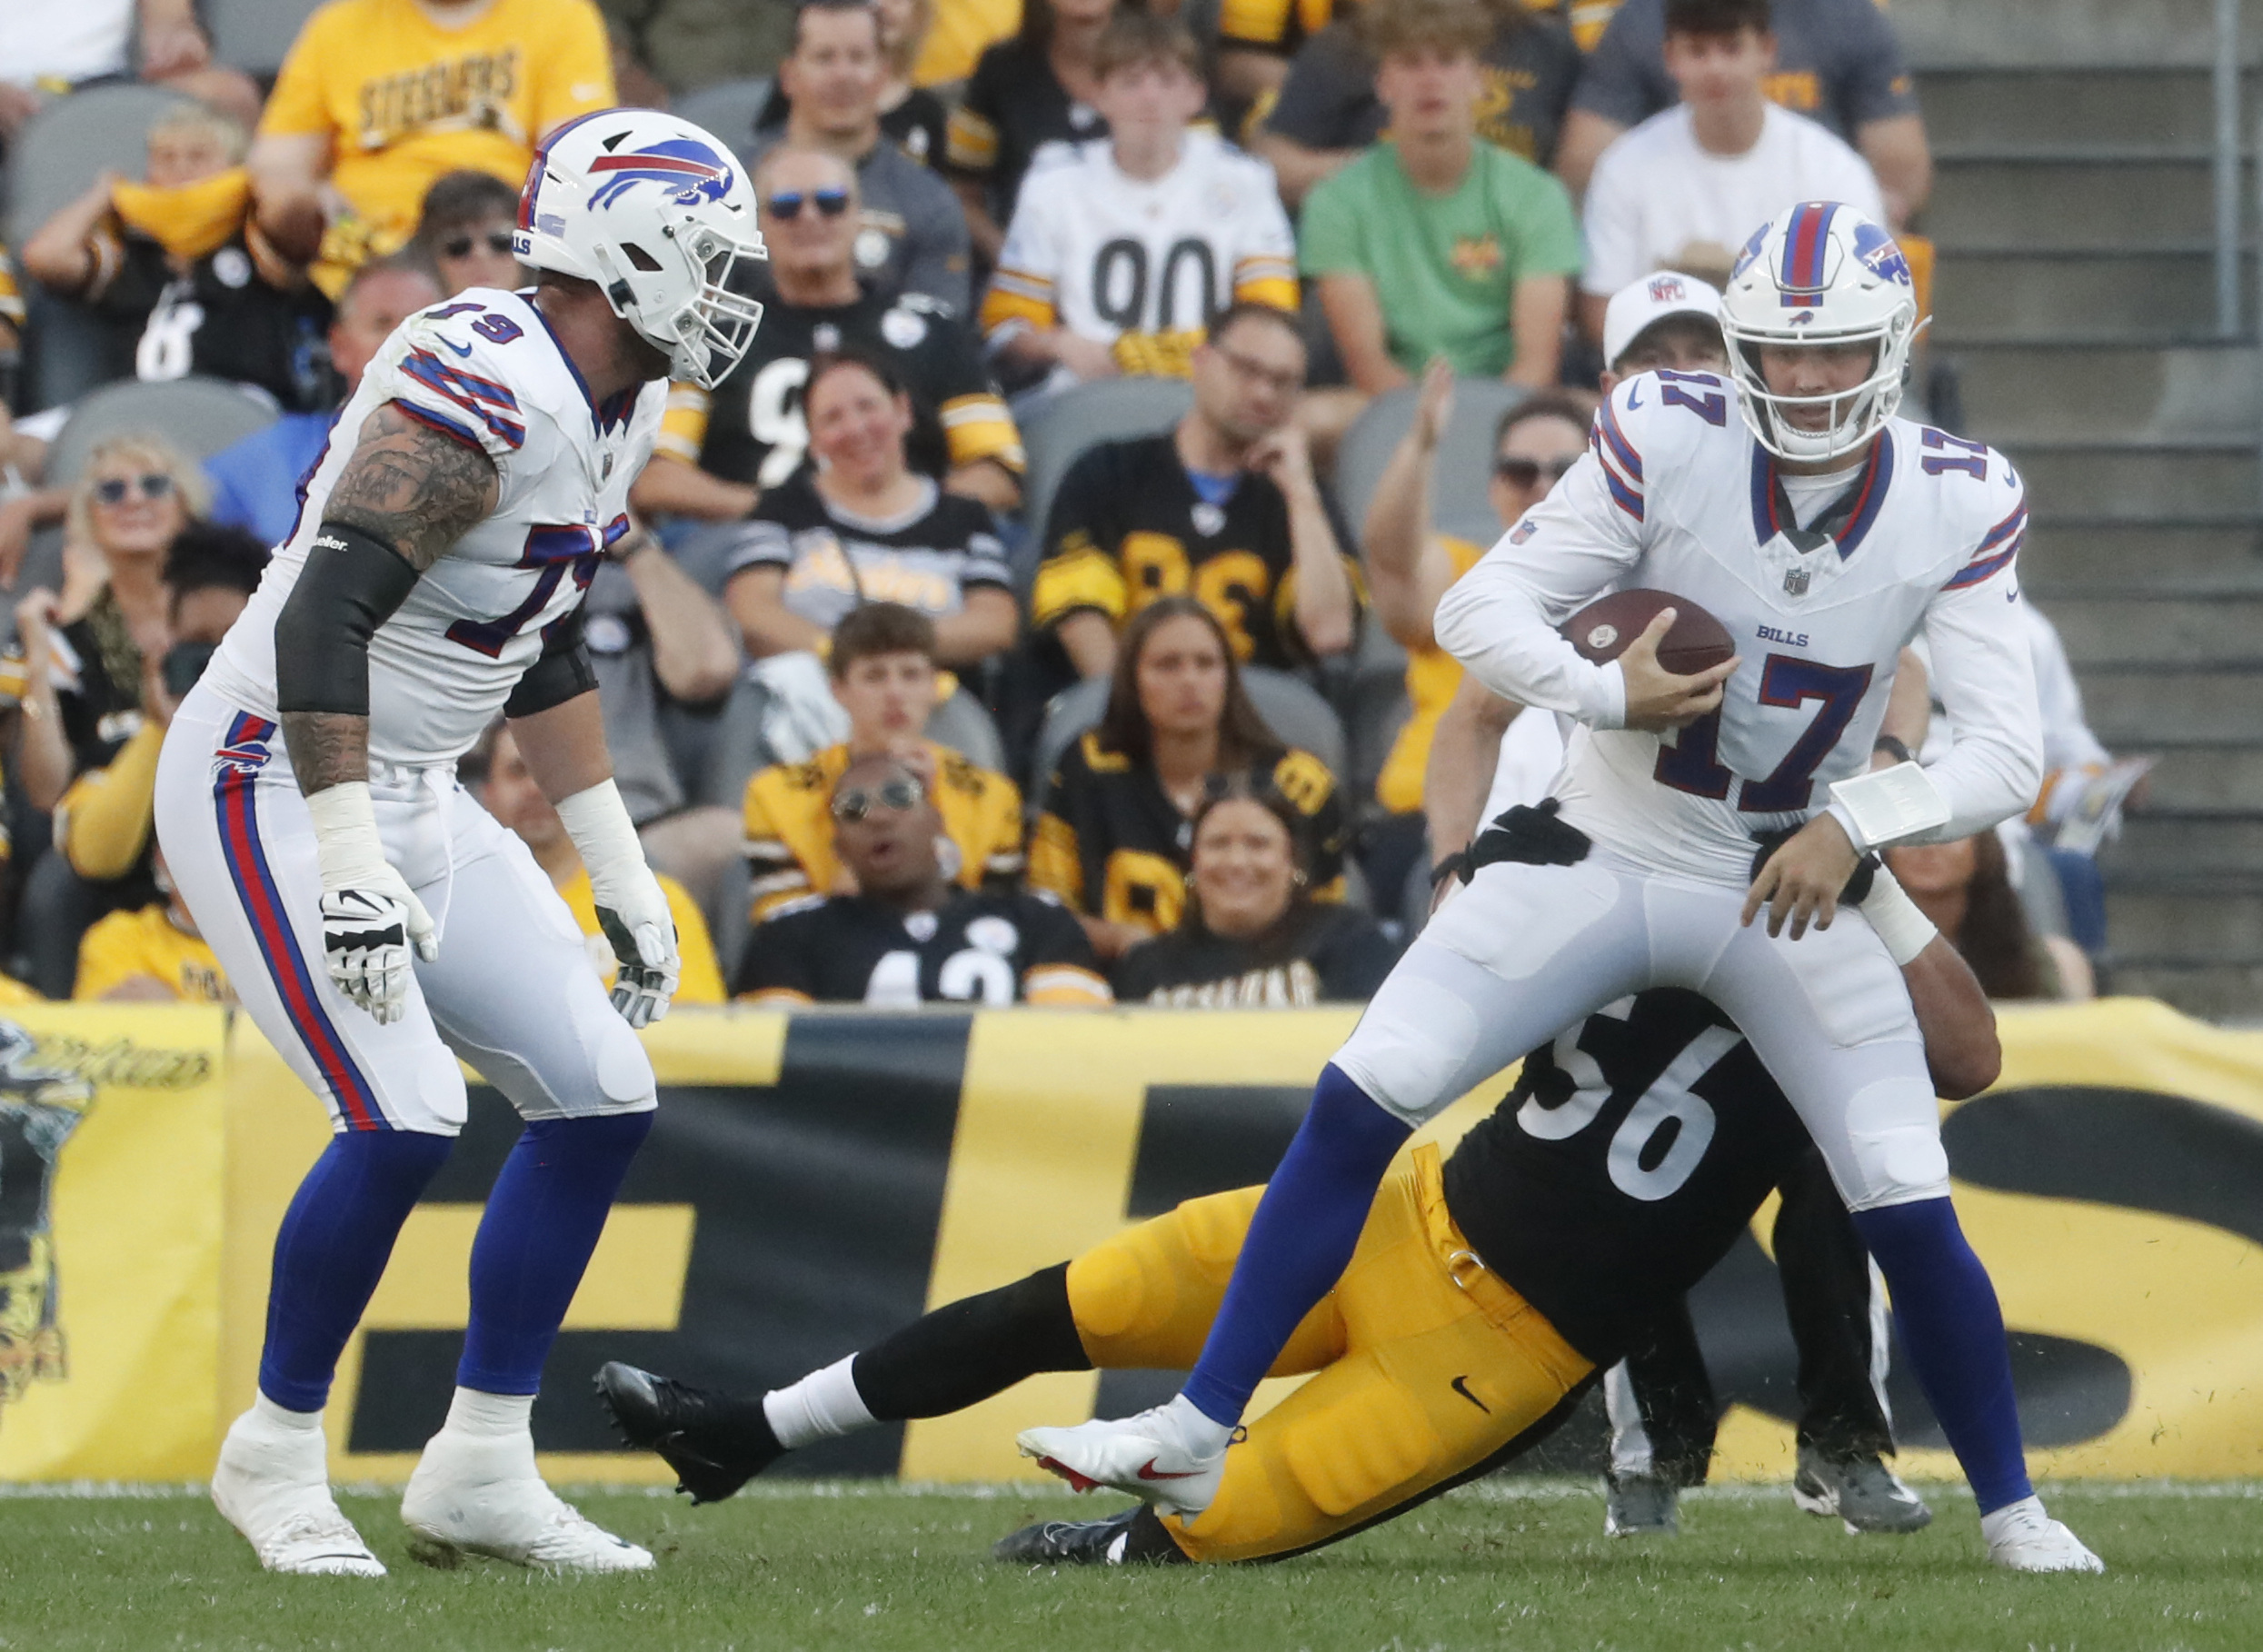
x=327, y=748
x=412, y=487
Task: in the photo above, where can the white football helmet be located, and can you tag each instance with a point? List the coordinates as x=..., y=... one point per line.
x=1819, y=273
x=661, y=216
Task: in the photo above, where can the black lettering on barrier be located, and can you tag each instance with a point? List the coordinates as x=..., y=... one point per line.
x=817, y=1202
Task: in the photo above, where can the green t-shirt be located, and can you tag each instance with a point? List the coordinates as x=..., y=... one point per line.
x=1444, y=266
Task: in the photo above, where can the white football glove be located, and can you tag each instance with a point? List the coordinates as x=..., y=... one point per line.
x=630, y=908
x=371, y=919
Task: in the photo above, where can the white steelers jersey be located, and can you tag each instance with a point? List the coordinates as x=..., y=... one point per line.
x=484, y=369
x=1675, y=495
x=1144, y=265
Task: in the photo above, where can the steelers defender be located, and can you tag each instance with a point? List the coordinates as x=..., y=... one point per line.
x=377, y=923
x=1485, y=1295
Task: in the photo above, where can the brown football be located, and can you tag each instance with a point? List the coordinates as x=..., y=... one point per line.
x=1601, y=631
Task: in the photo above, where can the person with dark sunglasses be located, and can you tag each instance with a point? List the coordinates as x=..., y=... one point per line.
x=465, y=233
x=719, y=454
x=909, y=935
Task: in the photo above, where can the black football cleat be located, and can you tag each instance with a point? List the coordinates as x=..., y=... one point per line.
x=1132, y=1535
x=714, y=1443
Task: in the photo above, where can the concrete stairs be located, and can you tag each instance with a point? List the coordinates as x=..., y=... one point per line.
x=2075, y=296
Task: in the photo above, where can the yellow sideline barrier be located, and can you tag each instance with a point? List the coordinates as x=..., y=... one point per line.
x=2113, y=1183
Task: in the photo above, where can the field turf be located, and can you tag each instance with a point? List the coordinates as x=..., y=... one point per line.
x=1511, y=1564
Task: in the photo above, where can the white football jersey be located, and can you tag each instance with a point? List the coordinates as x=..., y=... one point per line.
x=1676, y=495
x=485, y=369
x=1142, y=264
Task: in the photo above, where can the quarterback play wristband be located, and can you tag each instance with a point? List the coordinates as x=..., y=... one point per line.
x=347, y=845
x=1888, y=805
x=1905, y=929
x=598, y=821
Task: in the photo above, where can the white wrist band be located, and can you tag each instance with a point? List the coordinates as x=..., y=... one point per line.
x=347, y=845
x=1905, y=929
x=598, y=821
x=1888, y=805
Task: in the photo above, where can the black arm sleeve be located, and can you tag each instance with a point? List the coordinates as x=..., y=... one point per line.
x=351, y=585
x=560, y=673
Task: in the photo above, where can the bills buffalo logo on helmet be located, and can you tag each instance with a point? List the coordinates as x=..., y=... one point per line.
x=1751, y=251
x=689, y=170
x=1879, y=255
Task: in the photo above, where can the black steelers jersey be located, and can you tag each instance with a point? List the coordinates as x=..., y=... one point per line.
x=1110, y=841
x=1128, y=527
x=1014, y=102
x=976, y=948
x=1623, y=1165
x=750, y=429
x=220, y=319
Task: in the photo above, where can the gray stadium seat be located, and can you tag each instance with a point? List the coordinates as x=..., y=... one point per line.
x=253, y=36
x=66, y=146
x=1294, y=709
x=1108, y=410
x=728, y=108
x=198, y=415
x=1465, y=458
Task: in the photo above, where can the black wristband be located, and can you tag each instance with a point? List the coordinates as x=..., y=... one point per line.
x=1893, y=748
x=350, y=584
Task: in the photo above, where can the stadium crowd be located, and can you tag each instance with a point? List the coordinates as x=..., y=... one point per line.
x=1041, y=612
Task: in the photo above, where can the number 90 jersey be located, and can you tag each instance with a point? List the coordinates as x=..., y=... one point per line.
x=484, y=369
x=1675, y=495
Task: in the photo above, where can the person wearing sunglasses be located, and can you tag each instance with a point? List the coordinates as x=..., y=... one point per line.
x=909, y=935
x=719, y=452
x=180, y=274
x=465, y=233
x=86, y=651
x=911, y=236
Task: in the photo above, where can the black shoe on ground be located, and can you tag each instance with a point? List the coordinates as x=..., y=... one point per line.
x=1132, y=1536
x=714, y=1443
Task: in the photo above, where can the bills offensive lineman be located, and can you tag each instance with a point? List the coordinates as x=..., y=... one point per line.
x=1826, y=534
x=377, y=923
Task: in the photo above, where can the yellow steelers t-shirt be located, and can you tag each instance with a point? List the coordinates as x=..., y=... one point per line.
x=148, y=942
x=1433, y=676
x=403, y=98
x=701, y=980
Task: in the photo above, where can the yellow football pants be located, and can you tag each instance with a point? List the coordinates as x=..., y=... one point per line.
x=1427, y=1363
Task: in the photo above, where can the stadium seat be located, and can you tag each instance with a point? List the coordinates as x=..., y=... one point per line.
x=66, y=146
x=728, y=108
x=1295, y=710
x=1465, y=458
x=1108, y=410
x=253, y=36
x=198, y=415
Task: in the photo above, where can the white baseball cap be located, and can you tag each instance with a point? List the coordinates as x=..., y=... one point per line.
x=1639, y=304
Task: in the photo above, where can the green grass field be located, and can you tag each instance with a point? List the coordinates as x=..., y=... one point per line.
x=1511, y=1564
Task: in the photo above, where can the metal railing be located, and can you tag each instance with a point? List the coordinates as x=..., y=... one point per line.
x=2227, y=168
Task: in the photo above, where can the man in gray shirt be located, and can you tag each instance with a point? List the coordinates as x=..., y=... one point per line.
x=914, y=237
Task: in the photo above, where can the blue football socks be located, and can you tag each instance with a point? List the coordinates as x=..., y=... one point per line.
x=1953, y=1332
x=1298, y=1243
x=331, y=1252
x=541, y=1222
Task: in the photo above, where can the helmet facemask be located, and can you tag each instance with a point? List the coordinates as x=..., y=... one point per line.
x=703, y=322
x=1855, y=415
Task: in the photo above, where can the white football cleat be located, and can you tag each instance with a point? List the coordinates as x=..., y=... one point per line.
x=1148, y=1456
x=273, y=1485
x=2022, y=1537
x=480, y=1495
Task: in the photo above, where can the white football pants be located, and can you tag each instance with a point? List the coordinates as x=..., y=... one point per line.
x=511, y=992
x=1525, y=951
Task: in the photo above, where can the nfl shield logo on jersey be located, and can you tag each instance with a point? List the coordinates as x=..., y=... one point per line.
x=1796, y=583
x=1207, y=517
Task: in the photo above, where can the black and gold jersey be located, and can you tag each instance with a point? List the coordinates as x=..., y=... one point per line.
x=1010, y=947
x=1622, y=1165
x=750, y=429
x=1014, y=103
x=1315, y=955
x=1110, y=842
x=1127, y=527
x=218, y=318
